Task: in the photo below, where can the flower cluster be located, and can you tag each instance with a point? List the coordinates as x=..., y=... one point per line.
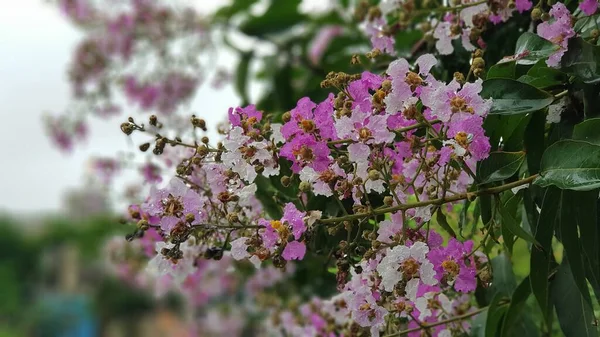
x=395, y=137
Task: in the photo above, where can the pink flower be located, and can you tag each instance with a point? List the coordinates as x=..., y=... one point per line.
x=247, y=114
x=308, y=118
x=319, y=44
x=523, y=5
x=379, y=40
x=589, y=7
x=558, y=31
x=305, y=150
x=294, y=251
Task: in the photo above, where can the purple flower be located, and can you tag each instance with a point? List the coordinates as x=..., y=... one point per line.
x=589, y=7
x=449, y=264
x=248, y=114
x=379, y=39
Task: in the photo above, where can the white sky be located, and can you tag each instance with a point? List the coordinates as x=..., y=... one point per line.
x=35, y=47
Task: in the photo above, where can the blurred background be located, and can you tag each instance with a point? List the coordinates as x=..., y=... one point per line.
x=61, y=195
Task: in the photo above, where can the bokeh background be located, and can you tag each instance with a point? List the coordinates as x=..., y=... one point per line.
x=54, y=220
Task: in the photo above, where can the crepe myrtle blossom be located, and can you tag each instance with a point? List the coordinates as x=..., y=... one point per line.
x=453, y=265
x=244, y=154
x=309, y=118
x=453, y=99
x=376, y=29
x=287, y=232
x=174, y=203
x=410, y=264
x=304, y=150
x=405, y=84
x=323, y=183
x=589, y=7
x=558, y=31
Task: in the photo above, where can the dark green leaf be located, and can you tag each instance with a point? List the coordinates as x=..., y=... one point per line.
x=495, y=314
x=514, y=97
x=541, y=76
x=573, y=217
x=280, y=16
x=503, y=281
x=443, y=222
x=502, y=70
x=573, y=309
x=588, y=131
x=236, y=7
x=241, y=80
x=499, y=166
x=515, y=309
x=531, y=48
x=478, y=325
x=266, y=194
x=533, y=141
x=591, y=100
x=582, y=60
x=506, y=128
x=541, y=257
x=571, y=164
x=510, y=222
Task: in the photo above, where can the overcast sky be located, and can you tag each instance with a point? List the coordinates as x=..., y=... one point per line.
x=35, y=46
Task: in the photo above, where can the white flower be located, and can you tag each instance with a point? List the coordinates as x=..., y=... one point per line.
x=239, y=248
x=391, y=272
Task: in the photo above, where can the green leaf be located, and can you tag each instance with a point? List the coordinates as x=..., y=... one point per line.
x=443, y=222
x=502, y=70
x=495, y=314
x=541, y=257
x=236, y=7
x=510, y=222
x=568, y=224
x=513, y=97
x=585, y=25
x=588, y=131
x=503, y=281
x=571, y=164
x=582, y=60
x=531, y=48
x=508, y=128
x=241, y=80
x=499, y=166
x=573, y=309
x=266, y=195
x=478, y=325
x=280, y=16
x=541, y=76
x=515, y=309
x=534, y=141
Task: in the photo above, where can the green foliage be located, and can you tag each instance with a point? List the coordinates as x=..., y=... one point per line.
x=513, y=97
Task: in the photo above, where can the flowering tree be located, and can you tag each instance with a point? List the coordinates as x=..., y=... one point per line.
x=441, y=180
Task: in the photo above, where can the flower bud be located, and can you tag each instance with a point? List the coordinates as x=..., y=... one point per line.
x=286, y=117
x=459, y=77
x=386, y=85
x=305, y=186
x=144, y=147
x=285, y=181
x=388, y=200
x=478, y=63
x=545, y=17
x=153, y=120
x=374, y=175
x=536, y=14
x=127, y=128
